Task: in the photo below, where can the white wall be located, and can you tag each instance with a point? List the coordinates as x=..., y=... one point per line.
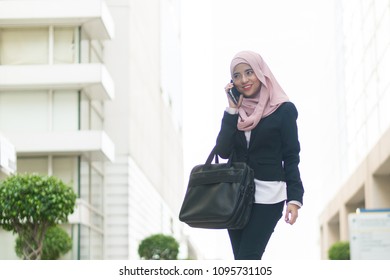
x=142, y=184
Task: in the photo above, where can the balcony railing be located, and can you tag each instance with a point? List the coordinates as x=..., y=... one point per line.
x=95, y=144
x=93, y=78
x=92, y=15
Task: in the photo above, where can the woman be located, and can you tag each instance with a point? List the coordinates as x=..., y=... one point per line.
x=261, y=128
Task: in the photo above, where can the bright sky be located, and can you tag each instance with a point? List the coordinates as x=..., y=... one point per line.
x=295, y=39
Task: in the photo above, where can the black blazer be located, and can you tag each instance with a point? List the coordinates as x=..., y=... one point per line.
x=273, y=151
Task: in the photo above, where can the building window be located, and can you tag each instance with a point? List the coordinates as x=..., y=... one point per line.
x=47, y=111
x=65, y=48
x=24, y=46
x=48, y=45
x=44, y=45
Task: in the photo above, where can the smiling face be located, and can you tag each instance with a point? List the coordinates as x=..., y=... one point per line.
x=245, y=80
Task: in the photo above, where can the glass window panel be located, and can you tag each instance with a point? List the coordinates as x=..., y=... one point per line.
x=24, y=46
x=65, y=168
x=84, y=51
x=33, y=165
x=97, y=191
x=64, y=45
x=85, y=180
x=85, y=237
x=96, y=245
x=24, y=111
x=85, y=108
x=96, y=119
x=65, y=110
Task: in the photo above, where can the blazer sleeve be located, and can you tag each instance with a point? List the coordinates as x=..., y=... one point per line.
x=290, y=150
x=226, y=135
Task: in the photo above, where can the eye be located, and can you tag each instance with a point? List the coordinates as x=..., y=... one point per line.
x=236, y=76
x=249, y=72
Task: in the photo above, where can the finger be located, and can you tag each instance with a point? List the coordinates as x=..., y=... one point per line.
x=230, y=101
x=228, y=87
x=287, y=216
x=293, y=217
x=240, y=100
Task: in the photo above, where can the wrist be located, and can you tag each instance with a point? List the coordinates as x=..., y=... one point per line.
x=231, y=110
x=294, y=202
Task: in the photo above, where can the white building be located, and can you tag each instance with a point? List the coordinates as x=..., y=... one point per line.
x=7, y=158
x=356, y=164
x=7, y=167
x=83, y=97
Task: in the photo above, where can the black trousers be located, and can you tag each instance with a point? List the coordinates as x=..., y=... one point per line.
x=249, y=243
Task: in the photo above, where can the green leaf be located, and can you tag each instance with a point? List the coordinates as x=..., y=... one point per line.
x=43, y=200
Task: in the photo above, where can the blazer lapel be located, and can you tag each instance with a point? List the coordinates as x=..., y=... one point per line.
x=242, y=138
x=253, y=136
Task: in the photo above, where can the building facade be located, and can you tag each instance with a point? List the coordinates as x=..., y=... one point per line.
x=7, y=167
x=82, y=98
x=357, y=169
x=7, y=158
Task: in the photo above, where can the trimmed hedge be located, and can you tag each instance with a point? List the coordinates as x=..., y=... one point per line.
x=159, y=247
x=339, y=251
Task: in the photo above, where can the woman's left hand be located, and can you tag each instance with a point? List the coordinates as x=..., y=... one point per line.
x=291, y=213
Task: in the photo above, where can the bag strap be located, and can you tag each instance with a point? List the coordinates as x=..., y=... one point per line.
x=214, y=155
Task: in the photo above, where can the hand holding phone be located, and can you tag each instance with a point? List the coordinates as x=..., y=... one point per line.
x=234, y=94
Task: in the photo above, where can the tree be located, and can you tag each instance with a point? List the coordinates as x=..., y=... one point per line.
x=339, y=251
x=55, y=244
x=30, y=204
x=159, y=247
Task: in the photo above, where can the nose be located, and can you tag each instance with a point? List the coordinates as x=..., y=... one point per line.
x=244, y=79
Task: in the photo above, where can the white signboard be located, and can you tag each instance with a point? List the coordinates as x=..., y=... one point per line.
x=369, y=235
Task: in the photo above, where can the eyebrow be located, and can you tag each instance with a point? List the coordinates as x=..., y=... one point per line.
x=248, y=69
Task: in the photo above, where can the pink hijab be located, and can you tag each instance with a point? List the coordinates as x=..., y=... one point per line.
x=270, y=97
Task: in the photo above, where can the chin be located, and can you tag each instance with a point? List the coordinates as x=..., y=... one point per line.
x=251, y=94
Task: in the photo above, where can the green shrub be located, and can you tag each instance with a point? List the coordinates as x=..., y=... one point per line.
x=339, y=251
x=159, y=247
x=56, y=243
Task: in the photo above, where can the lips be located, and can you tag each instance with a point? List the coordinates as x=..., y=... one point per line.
x=247, y=87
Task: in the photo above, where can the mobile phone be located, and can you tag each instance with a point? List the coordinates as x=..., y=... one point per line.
x=234, y=94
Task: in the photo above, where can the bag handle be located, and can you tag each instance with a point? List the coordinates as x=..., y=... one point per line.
x=213, y=154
